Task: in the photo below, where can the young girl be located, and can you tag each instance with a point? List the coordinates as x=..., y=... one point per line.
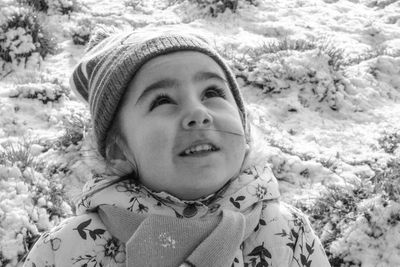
x=168, y=104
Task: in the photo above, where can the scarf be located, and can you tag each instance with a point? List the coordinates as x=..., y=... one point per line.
x=159, y=240
x=161, y=230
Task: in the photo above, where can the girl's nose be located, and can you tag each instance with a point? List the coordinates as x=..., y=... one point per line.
x=197, y=118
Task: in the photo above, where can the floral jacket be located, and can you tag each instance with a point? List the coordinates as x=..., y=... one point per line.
x=282, y=236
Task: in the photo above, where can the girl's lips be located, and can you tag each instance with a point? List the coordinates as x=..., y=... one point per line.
x=199, y=148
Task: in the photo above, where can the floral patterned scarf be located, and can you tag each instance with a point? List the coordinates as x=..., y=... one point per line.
x=227, y=216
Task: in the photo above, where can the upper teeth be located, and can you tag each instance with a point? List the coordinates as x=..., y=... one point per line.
x=205, y=147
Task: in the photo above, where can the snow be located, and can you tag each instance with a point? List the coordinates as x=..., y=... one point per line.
x=315, y=123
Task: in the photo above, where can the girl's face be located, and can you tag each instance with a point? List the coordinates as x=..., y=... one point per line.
x=181, y=125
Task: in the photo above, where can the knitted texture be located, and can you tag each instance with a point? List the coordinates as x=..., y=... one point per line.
x=111, y=62
x=158, y=240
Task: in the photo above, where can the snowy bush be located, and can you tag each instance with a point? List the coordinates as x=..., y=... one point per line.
x=22, y=38
x=390, y=140
x=358, y=222
x=53, y=197
x=76, y=125
x=28, y=207
x=378, y=3
x=386, y=69
x=38, y=5
x=32, y=198
x=81, y=34
x=16, y=222
x=215, y=7
x=305, y=67
x=51, y=6
x=45, y=92
x=387, y=180
x=64, y=7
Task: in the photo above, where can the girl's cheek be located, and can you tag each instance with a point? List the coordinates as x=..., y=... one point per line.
x=156, y=140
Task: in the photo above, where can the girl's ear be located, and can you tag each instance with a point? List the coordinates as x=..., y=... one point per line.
x=114, y=152
x=117, y=159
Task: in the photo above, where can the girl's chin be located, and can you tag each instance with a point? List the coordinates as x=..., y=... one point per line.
x=199, y=191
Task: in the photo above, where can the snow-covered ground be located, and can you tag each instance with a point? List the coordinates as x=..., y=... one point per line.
x=322, y=83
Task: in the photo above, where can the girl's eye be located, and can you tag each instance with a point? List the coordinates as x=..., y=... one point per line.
x=214, y=92
x=159, y=100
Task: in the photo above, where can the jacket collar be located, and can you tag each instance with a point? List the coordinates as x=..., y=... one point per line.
x=253, y=185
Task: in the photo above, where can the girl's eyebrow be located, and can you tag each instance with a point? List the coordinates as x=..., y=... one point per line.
x=170, y=83
x=206, y=75
x=164, y=83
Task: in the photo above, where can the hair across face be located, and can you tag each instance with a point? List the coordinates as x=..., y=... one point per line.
x=181, y=127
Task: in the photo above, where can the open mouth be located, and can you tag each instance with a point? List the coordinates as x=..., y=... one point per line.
x=200, y=149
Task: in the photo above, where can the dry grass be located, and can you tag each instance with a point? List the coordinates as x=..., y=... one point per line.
x=20, y=154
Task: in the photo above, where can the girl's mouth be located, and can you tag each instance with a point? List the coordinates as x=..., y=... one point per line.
x=199, y=150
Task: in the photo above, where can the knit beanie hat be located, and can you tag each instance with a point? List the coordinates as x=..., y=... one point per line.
x=112, y=59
